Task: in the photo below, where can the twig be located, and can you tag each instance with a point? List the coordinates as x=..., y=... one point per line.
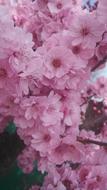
x=90, y=141
x=99, y=63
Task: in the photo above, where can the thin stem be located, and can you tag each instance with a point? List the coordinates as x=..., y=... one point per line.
x=90, y=141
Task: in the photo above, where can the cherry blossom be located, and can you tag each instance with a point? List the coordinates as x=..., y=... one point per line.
x=53, y=86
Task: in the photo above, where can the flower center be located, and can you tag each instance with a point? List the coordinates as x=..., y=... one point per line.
x=102, y=85
x=59, y=5
x=74, y=2
x=47, y=138
x=3, y=73
x=56, y=63
x=85, y=31
x=76, y=49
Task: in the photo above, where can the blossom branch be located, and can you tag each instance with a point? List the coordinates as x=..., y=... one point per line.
x=91, y=141
x=101, y=62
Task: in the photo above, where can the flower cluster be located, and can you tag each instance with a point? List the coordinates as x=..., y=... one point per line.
x=53, y=76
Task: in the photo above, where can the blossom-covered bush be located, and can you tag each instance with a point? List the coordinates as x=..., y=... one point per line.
x=53, y=76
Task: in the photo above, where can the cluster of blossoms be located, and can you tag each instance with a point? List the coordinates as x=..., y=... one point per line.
x=53, y=76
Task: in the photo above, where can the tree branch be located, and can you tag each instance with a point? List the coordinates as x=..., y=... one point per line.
x=99, y=63
x=90, y=141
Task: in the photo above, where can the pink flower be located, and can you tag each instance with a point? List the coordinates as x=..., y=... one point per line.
x=93, y=177
x=71, y=113
x=86, y=30
x=21, y=122
x=64, y=152
x=26, y=160
x=52, y=113
x=6, y=74
x=101, y=11
x=44, y=140
x=34, y=69
x=21, y=53
x=48, y=53
x=57, y=62
x=58, y=5
x=79, y=50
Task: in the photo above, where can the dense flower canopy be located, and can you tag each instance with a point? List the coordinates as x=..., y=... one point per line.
x=53, y=76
